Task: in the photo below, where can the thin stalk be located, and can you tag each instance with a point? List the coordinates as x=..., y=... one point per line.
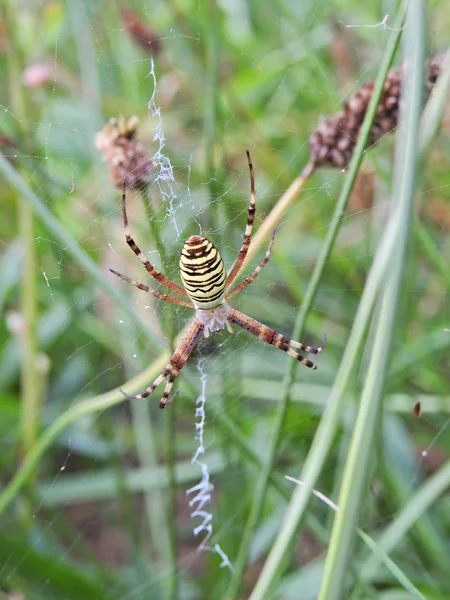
x=431, y=251
x=260, y=495
x=278, y=556
x=334, y=584
x=160, y=504
x=144, y=435
x=171, y=580
x=211, y=103
x=428, y=494
x=30, y=385
x=329, y=422
x=431, y=489
x=29, y=374
x=78, y=20
x=376, y=552
x=145, y=449
x=278, y=212
x=103, y=402
x=169, y=515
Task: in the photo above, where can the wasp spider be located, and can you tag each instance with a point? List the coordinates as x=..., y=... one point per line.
x=207, y=289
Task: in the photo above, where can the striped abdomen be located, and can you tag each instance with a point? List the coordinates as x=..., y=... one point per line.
x=203, y=272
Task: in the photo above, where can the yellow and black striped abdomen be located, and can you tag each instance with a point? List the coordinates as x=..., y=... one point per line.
x=203, y=272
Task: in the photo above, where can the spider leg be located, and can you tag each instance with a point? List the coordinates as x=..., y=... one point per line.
x=175, y=364
x=147, y=264
x=255, y=273
x=154, y=293
x=309, y=349
x=165, y=400
x=248, y=230
x=270, y=336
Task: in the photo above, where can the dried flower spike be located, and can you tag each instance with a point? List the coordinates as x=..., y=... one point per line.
x=141, y=33
x=333, y=142
x=124, y=153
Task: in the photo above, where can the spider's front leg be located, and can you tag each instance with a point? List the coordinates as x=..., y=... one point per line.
x=175, y=364
x=147, y=264
x=159, y=295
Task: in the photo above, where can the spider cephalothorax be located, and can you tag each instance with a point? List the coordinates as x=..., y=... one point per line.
x=207, y=289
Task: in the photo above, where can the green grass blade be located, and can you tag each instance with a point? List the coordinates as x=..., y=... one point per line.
x=354, y=482
x=327, y=428
x=420, y=502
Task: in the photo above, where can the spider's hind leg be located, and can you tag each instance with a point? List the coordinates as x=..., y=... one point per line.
x=309, y=349
x=165, y=400
x=272, y=337
x=167, y=371
x=175, y=364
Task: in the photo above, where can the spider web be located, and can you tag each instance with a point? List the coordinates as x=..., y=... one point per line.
x=64, y=163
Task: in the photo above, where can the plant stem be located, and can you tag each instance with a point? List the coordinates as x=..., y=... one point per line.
x=31, y=386
x=211, y=104
x=161, y=507
x=278, y=212
x=323, y=439
x=171, y=513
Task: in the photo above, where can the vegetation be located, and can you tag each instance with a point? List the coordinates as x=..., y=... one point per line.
x=91, y=480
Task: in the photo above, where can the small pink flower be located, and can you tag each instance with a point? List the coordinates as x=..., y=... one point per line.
x=36, y=75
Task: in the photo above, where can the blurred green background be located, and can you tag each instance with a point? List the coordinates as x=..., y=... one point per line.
x=99, y=508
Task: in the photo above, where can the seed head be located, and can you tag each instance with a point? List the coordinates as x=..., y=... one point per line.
x=124, y=153
x=332, y=143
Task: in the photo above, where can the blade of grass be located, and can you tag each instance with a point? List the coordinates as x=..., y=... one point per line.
x=299, y=326
x=421, y=501
x=317, y=396
x=435, y=107
x=160, y=506
x=435, y=485
x=30, y=385
x=170, y=516
x=102, y=484
x=87, y=60
x=212, y=38
x=400, y=477
x=377, y=552
x=354, y=482
x=144, y=439
x=392, y=566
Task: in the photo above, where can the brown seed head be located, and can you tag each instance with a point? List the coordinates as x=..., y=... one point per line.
x=332, y=144
x=124, y=153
